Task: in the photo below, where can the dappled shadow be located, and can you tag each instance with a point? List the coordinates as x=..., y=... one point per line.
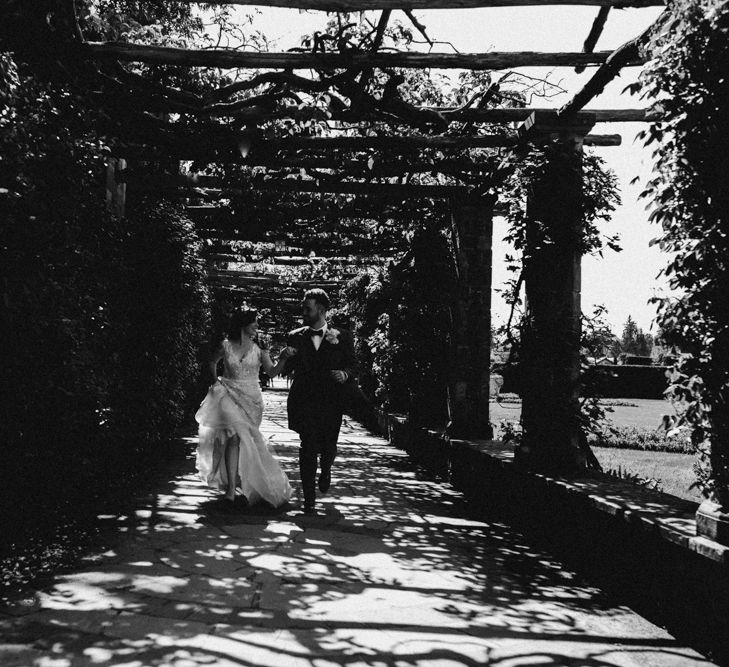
x=391, y=571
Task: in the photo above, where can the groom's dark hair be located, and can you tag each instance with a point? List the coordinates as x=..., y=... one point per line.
x=319, y=296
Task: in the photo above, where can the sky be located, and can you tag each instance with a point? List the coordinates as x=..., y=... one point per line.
x=622, y=282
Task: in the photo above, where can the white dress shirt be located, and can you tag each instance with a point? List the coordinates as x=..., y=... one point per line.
x=318, y=339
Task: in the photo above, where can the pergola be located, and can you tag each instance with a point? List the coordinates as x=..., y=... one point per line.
x=354, y=166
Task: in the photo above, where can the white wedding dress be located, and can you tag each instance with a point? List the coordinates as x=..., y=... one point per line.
x=234, y=407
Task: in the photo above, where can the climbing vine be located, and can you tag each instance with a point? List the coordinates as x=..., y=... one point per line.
x=687, y=82
x=600, y=197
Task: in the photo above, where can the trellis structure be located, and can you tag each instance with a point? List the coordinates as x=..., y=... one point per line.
x=550, y=355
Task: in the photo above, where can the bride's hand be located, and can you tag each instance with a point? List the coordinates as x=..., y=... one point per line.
x=289, y=352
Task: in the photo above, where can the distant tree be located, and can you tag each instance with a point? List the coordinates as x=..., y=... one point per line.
x=643, y=344
x=629, y=339
x=597, y=338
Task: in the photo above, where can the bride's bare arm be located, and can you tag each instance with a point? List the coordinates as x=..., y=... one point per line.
x=268, y=366
x=213, y=365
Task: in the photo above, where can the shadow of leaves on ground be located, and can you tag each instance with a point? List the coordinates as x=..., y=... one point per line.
x=392, y=571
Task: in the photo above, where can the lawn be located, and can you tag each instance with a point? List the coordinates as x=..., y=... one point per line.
x=639, y=412
x=673, y=472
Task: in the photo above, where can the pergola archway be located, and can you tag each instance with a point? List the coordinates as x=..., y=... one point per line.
x=345, y=165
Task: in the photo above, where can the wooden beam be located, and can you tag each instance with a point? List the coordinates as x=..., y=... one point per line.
x=235, y=277
x=224, y=150
x=595, y=32
x=505, y=140
x=315, y=208
x=342, y=263
x=231, y=59
x=265, y=252
x=452, y=115
x=202, y=184
x=517, y=115
x=608, y=71
x=379, y=190
x=259, y=114
x=365, y=5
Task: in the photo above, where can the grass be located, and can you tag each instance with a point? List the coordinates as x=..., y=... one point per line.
x=638, y=449
x=673, y=473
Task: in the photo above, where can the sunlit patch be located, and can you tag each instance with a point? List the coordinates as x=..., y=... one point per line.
x=157, y=584
x=359, y=500
x=282, y=528
x=98, y=654
x=48, y=661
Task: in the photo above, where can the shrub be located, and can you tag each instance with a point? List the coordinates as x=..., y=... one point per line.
x=101, y=318
x=402, y=317
x=634, y=437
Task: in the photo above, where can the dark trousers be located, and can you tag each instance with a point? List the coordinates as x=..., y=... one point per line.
x=318, y=443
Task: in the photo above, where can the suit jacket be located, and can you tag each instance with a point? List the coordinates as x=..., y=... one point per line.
x=314, y=395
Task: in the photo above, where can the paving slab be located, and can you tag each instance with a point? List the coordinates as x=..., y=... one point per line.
x=392, y=571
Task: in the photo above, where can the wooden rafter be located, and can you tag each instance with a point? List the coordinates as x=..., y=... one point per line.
x=595, y=31
x=608, y=71
x=241, y=278
x=379, y=190
x=229, y=58
x=364, y=5
x=203, y=149
x=505, y=140
x=245, y=258
x=355, y=208
x=256, y=114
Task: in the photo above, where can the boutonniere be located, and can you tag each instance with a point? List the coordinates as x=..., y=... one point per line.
x=332, y=336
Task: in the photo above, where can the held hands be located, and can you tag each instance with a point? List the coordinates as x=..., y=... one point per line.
x=339, y=376
x=289, y=352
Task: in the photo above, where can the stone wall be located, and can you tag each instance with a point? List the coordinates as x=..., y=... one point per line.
x=639, y=544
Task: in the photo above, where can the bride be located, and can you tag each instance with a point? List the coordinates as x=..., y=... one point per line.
x=231, y=450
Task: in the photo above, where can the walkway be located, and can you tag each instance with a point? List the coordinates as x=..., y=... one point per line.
x=392, y=572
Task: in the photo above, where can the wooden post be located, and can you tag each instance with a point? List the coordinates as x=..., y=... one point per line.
x=116, y=190
x=472, y=229
x=551, y=330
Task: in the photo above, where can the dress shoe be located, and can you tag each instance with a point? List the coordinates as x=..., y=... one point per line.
x=325, y=480
x=309, y=508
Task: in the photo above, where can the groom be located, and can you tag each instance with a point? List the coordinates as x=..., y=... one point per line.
x=322, y=364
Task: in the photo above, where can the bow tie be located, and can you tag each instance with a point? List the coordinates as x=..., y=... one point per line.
x=316, y=332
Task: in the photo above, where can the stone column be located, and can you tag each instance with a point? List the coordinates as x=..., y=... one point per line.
x=551, y=330
x=472, y=230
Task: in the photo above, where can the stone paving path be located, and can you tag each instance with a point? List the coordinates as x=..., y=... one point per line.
x=392, y=572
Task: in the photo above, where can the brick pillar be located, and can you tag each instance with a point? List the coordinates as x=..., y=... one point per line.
x=468, y=390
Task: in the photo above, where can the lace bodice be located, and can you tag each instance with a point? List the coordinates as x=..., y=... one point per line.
x=241, y=368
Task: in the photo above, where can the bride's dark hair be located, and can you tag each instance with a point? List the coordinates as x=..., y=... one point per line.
x=240, y=318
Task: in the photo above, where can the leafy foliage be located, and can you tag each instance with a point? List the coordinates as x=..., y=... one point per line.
x=102, y=317
x=646, y=439
x=600, y=199
x=402, y=319
x=688, y=83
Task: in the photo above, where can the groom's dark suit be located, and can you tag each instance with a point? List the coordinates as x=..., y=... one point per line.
x=316, y=401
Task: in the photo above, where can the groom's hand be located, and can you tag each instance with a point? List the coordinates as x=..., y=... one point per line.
x=339, y=376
